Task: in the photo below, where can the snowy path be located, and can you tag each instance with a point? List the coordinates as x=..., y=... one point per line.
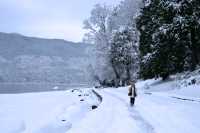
x=113, y=115
x=139, y=120
x=144, y=126
x=161, y=113
x=110, y=116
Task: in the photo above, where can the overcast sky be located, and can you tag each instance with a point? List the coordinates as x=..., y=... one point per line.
x=47, y=18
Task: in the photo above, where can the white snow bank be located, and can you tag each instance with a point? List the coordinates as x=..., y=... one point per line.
x=192, y=92
x=49, y=112
x=11, y=125
x=172, y=87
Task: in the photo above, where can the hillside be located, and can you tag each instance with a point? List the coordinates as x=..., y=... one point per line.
x=29, y=59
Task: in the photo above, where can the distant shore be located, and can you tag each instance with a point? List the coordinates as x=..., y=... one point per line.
x=13, y=88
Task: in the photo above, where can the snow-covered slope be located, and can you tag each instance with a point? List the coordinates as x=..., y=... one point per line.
x=29, y=59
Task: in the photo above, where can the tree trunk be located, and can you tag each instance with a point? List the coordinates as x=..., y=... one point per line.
x=165, y=76
x=117, y=76
x=128, y=74
x=194, y=49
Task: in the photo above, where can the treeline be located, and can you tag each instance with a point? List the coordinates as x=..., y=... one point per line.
x=169, y=37
x=144, y=39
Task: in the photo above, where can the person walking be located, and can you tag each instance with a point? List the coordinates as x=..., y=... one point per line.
x=132, y=93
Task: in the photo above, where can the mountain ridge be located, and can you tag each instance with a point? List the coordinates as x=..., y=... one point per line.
x=32, y=59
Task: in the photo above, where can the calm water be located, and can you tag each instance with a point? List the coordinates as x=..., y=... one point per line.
x=12, y=88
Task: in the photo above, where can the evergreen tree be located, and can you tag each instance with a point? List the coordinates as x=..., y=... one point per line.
x=169, y=40
x=147, y=23
x=190, y=12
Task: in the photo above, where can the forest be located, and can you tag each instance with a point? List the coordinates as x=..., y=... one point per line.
x=144, y=39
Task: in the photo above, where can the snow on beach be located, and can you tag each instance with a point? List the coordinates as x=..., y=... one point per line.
x=49, y=112
x=160, y=108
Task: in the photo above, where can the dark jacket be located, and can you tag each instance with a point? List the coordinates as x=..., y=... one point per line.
x=132, y=91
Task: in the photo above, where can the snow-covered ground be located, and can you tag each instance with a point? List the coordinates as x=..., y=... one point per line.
x=160, y=108
x=50, y=112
